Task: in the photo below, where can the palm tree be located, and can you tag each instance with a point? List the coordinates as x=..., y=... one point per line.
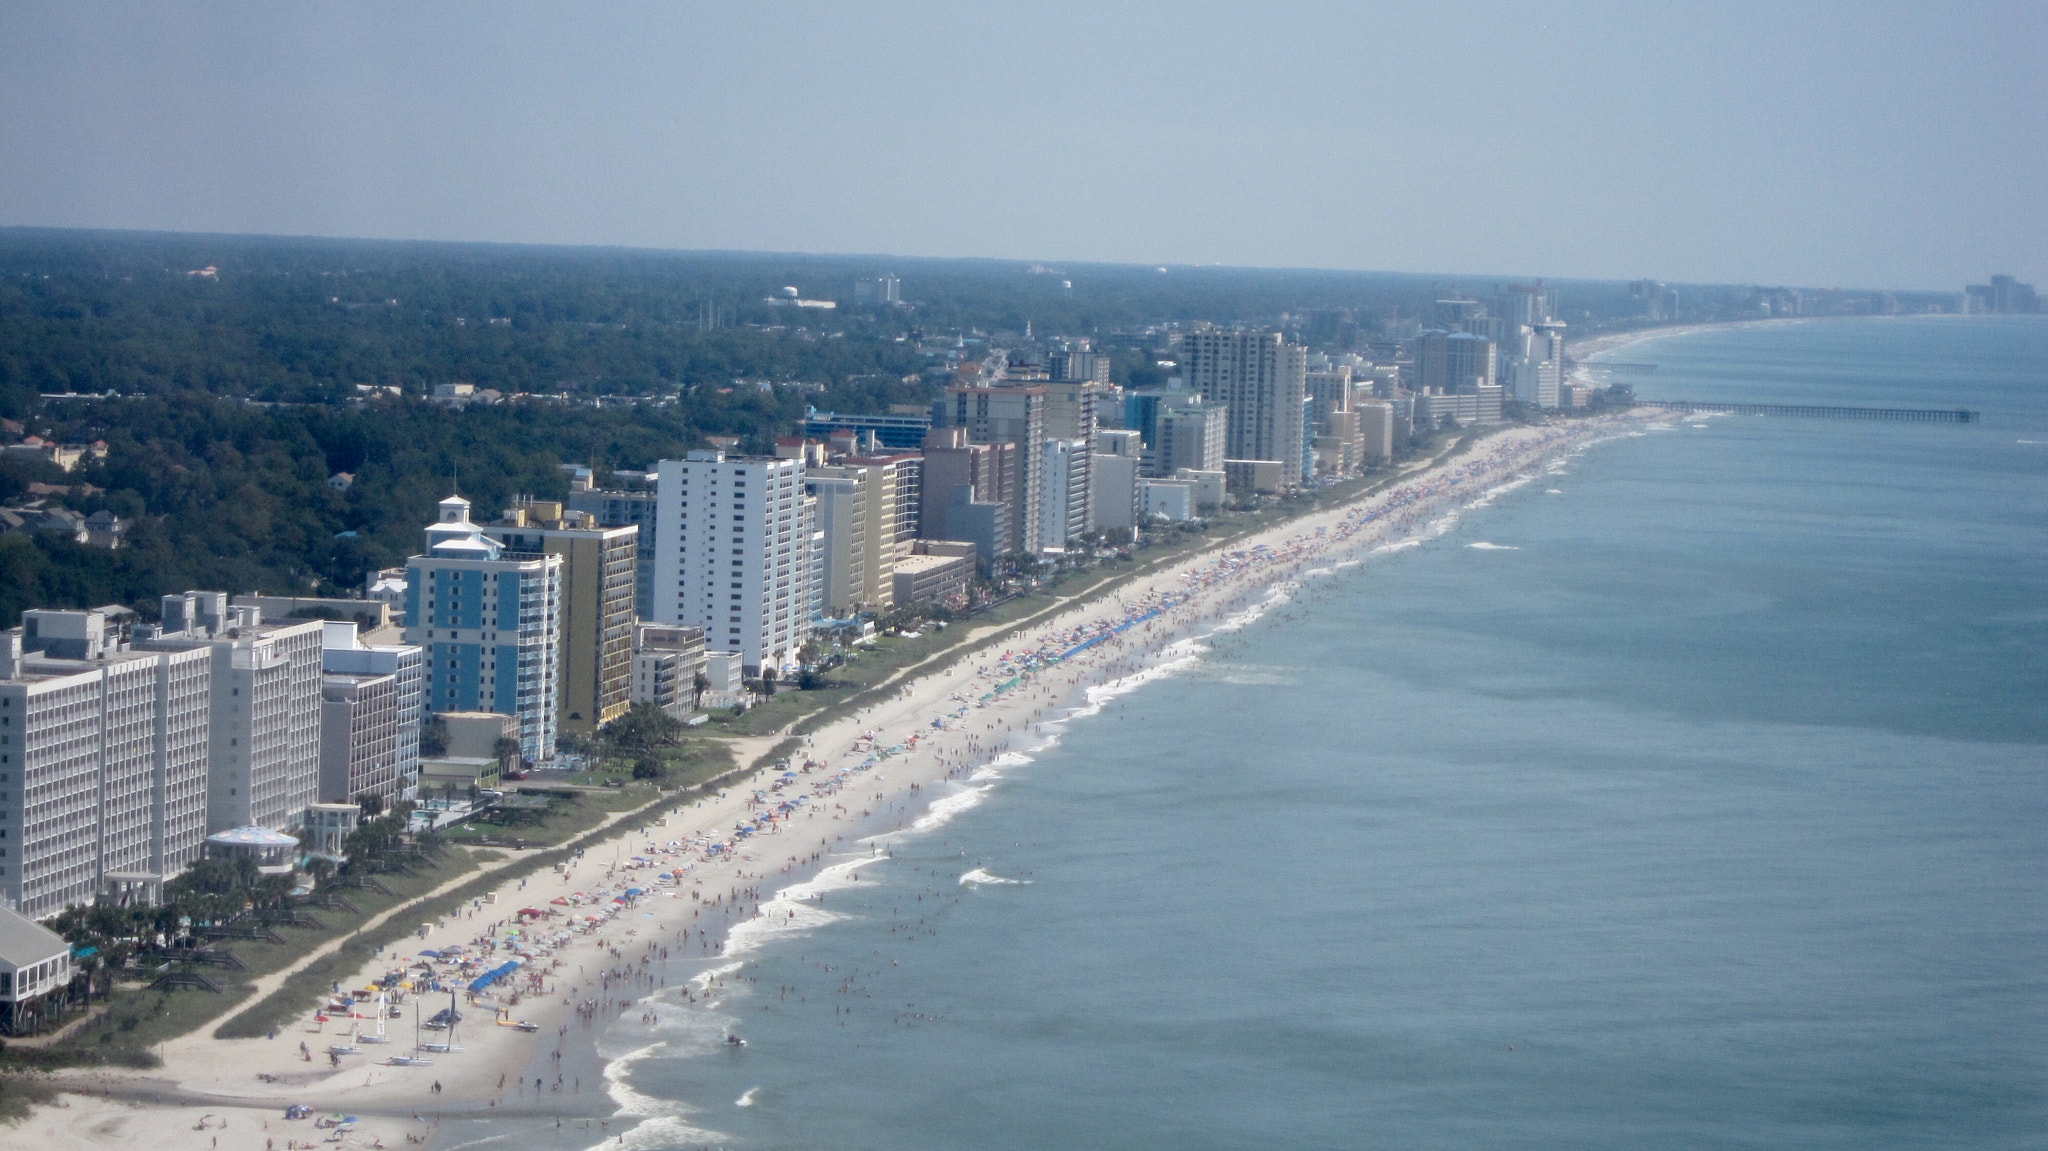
x=321, y=869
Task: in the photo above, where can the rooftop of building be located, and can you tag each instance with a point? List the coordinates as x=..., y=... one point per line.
x=24, y=942
x=912, y=564
x=252, y=836
x=39, y=667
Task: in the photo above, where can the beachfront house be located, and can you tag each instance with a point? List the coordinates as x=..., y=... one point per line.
x=35, y=973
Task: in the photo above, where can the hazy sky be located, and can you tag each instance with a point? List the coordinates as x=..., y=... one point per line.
x=1855, y=145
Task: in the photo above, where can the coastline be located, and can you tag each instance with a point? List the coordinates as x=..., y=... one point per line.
x=732, y=900
x=1584, y=350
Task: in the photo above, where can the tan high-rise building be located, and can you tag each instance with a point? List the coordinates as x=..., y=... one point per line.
x=1454, y=363
x=1329, y=390
x=599, y=575
x=857, y=511
x=1189, y=436
x=1014, y=416
x=1375, y=432
x=1261, y=381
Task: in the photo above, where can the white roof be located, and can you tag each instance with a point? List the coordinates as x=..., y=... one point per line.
x=252, y=836
x=25, y=943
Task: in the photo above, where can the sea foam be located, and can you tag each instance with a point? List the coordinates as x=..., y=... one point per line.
x=793, y=909
x=662, y=1123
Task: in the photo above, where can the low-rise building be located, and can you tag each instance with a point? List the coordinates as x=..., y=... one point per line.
x=104, y=529
x=328, y=826
x=35, y=974
x=478, y=734
x=387, y=586
x=273, y=852
x=727, y=674
x=938, y=571
x=667, y=660
x=1171, y=501
x=457, y=776
x=1260, y=477
x=50, y=452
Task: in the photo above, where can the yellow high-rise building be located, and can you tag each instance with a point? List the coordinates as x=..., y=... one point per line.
x=599, y=568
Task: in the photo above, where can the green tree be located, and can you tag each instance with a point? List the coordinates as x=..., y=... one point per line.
x=434, y=737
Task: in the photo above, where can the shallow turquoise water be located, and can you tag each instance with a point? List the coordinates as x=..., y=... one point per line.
x=1706, y=809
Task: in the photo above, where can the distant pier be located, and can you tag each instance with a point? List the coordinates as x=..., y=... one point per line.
x=1822, y=411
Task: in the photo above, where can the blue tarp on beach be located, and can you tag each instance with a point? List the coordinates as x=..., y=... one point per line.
x=493, y=975
x=1115, y=631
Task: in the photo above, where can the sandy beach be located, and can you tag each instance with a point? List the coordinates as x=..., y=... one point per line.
x=723, y=874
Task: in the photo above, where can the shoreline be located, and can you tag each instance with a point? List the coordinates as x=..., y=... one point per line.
x=884, y=770
x=1615, y=341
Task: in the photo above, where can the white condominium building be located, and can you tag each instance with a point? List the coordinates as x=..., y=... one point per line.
x=265, y=763
x=1538, y=370
x=344, y=654
x=1063, y=492
x=103, y=762
x=735, y=556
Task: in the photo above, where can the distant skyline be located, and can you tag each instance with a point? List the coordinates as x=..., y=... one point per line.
x=1823, y=145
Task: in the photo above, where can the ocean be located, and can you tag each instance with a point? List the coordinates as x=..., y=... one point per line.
x=1693, y=794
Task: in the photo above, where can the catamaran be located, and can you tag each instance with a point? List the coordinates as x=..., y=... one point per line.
x=379, y=1037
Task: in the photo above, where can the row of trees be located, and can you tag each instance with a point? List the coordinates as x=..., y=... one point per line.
x=224, y=494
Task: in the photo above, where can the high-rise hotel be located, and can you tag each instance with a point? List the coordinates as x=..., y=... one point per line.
x=103, y=761
x=265, y=764
x=1261, y=381
x=489, y=624
x=735, y=554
